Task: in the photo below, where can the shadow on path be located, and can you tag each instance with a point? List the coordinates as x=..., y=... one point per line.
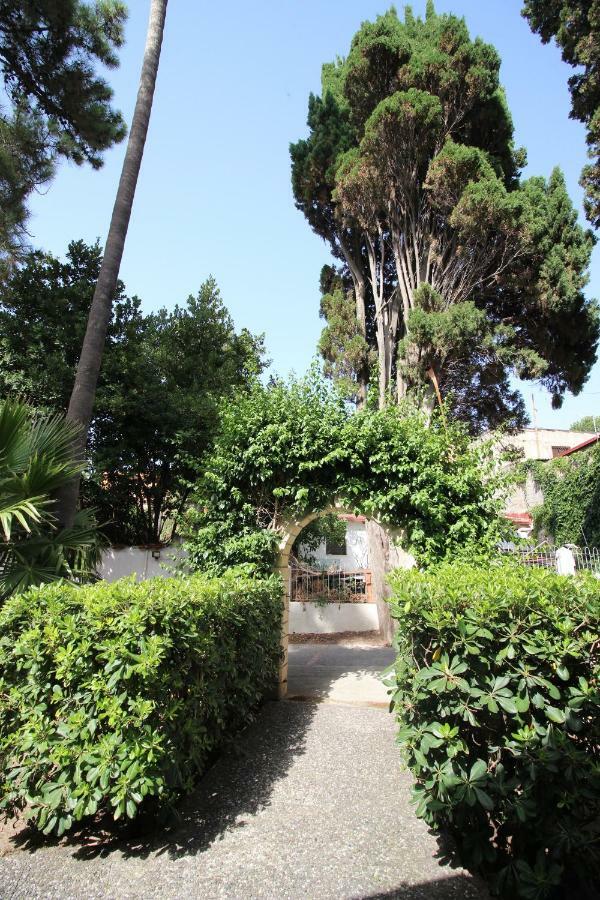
x=240, y=782
x=310, y=802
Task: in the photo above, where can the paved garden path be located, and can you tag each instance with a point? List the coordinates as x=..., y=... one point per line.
x=312, y=805
x=345, y=673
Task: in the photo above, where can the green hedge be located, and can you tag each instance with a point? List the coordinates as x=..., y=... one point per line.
x=114, y=694
x=497, y=695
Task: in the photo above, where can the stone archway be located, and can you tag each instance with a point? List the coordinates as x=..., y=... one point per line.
x=289, y=532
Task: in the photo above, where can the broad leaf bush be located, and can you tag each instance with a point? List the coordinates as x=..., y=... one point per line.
x=496, y=692
x=114, y=696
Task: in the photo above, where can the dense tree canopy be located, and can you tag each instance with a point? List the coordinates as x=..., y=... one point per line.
x=163, y=377
x=450, y=268
x=43, y=311
x=575, y=25
x=55, y=104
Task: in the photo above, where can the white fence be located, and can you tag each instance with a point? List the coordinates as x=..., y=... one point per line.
x=564, y=560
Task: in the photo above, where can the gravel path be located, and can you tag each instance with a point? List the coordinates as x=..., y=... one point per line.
x=313, y=806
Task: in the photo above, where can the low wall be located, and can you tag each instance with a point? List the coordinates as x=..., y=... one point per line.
x=330, y=618
x=119, y=563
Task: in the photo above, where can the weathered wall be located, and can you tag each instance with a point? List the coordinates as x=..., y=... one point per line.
x=384, y=556
x=357, y=551
x=138, y=561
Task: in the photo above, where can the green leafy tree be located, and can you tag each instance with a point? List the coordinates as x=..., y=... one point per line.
x=43, y=310
x=35, y=460
x=587, y=423
x=575, y=26
x=163, y=377
x=461, y=275
x=157, y=418
x=55, y=103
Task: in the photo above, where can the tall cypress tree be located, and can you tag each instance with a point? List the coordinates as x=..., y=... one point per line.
x=460, y=273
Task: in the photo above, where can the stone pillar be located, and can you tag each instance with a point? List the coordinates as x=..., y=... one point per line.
x=384, y=555
x=283, y=570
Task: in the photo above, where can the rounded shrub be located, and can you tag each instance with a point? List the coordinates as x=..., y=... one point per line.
x=496, y=692
x=114, y=694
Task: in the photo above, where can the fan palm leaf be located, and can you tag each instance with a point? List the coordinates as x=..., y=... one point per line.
x=35, y=461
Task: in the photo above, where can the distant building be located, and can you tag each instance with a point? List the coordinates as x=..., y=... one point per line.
x=541, y=444
x=547, y=443
x=351, y=555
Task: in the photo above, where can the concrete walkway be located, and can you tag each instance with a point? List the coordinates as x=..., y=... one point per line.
x=312, y=806
x=342, y=673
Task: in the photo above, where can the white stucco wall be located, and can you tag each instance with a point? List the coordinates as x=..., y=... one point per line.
x=537, y=443
x=139, y=561
x=331, y=618
x=357, y=551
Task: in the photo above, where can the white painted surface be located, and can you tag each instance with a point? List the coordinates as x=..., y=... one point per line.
x=541, y=443
x=139, y=562
x=565, y=561
x=357, y=551
x=330, y=618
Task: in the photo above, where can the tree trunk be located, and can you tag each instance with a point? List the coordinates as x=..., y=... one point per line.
x=378, y=544
x=361, y=316
x=81, y=404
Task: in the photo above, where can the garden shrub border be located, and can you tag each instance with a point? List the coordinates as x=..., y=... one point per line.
x=497, y=696
x=114, y=697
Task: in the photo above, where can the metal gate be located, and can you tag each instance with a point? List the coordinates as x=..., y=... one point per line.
x=332, y=585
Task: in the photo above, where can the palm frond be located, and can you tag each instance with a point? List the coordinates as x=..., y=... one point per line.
x=36, y=459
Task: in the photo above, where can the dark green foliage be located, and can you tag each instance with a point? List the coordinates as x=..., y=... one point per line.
x=570, y=513
x=289, y=449
x=162, y=378
x=43, y=313
x=575, y=25
x=114, y=696
x=58, y=106
x=453, y=266
x=161, y=410
x=496, y=693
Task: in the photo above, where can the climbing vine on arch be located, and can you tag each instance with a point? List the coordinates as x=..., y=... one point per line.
x=291, y=448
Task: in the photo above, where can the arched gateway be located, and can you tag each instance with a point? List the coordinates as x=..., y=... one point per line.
x=289, y=531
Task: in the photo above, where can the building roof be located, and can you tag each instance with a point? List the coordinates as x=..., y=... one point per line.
x=587, y=443
x=523, y=518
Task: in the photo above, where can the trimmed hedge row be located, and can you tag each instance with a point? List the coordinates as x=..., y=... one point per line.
x=496, y=689
x=114, y=694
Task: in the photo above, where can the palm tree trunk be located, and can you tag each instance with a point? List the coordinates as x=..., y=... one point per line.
x=81, y=404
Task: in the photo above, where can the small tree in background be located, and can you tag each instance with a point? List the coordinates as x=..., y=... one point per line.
x=588, y=423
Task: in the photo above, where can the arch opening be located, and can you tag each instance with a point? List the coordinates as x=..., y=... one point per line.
x=289, y=533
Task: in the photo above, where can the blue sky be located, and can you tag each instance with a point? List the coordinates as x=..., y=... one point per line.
x=214, y=194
